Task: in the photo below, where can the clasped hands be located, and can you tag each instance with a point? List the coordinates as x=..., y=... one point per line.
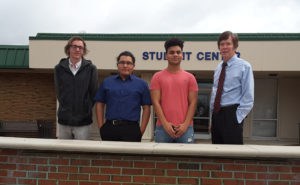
x=175, y=131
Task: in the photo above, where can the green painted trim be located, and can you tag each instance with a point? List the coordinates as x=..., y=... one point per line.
x=14, y=67
x=163, y=37
x=14, y=47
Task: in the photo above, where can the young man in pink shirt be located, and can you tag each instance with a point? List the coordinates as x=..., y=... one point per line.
x=174, y=94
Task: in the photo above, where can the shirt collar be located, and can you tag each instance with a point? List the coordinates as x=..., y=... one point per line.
x=128, y=78
x=77, y=65
x=231, y=60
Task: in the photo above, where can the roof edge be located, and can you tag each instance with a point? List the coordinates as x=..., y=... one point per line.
x=14, y=56
x=164, y=36
x=14, y=46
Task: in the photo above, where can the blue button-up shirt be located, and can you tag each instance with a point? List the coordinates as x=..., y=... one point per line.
x=238, y=86
x=123, y=98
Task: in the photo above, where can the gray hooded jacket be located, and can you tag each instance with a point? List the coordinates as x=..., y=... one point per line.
x=75, y=94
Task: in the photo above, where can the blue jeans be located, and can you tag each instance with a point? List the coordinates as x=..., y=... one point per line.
x=161, y=136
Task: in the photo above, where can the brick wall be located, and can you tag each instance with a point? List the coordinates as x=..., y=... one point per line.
x=68, y=168
x=27, y=96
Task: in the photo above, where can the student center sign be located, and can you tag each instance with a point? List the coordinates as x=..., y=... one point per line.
x=274, y=58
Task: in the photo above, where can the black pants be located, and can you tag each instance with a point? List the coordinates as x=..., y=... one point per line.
x=121, y=132
x=225, y=127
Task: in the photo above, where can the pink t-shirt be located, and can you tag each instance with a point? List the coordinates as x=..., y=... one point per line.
x=174, y=88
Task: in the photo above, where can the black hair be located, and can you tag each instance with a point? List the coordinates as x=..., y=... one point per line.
x=126, y=53
x=173, y=42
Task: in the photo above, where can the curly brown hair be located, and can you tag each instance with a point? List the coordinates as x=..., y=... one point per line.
x=70, y=41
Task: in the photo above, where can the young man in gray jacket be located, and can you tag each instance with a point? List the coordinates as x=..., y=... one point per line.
x=76, y=82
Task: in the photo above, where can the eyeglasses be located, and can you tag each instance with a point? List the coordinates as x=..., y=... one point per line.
x=77, y=47
x=127, y=63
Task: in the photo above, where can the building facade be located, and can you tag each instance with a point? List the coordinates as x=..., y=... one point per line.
x=274, y=58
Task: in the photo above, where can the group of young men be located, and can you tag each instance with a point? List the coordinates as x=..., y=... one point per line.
x=123, y=101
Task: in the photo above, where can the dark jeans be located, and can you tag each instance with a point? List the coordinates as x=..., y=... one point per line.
x=225, y=127
x=121, y=132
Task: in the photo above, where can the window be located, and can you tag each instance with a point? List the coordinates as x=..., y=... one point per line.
x=265, y=108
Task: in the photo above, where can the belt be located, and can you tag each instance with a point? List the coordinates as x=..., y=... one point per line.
x=229, y=107
x=121, y=122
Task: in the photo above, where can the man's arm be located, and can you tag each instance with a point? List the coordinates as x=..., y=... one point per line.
x=100, y=113
x=145, y=117
x=192, y=98
x=247, y=98
x=155, y=96
x=56, y=84
x=93, y=83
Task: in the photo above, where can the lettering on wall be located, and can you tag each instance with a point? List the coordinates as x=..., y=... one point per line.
x=187, y=56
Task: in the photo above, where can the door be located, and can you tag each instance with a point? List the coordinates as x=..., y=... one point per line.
x=202, y=113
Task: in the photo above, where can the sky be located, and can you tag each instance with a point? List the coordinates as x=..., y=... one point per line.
x=21, y=19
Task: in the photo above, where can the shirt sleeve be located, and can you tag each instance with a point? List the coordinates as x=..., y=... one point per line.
x=146, y=99
x=93, y=82
x=101, y=95
x=247, y=98
x=154, y=84
x=56, y=83
x=193, y=86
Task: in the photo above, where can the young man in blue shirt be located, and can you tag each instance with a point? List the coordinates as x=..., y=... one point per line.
x=232, y=93
x=122, y=96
